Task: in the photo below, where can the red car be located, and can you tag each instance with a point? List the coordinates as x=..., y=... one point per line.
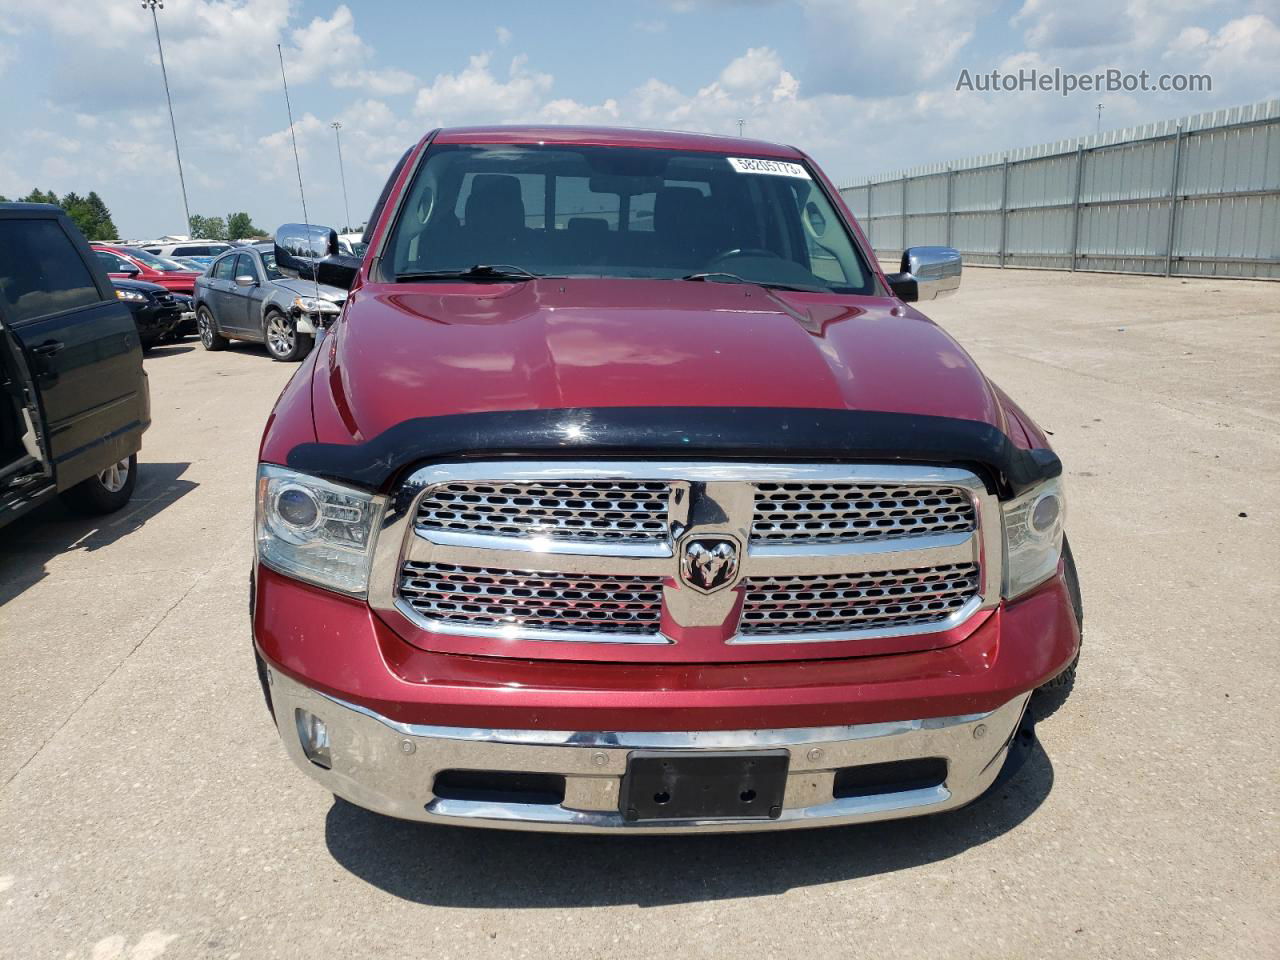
x=130, y=263
x=628, y=493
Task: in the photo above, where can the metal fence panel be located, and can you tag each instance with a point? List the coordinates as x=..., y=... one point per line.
x=1198, y=196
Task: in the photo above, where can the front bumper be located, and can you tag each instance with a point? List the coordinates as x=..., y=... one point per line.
x=391, y=767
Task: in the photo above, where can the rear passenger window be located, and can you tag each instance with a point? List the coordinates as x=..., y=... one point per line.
x=41, y=272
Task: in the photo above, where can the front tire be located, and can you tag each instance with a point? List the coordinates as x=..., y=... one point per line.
x=1063, y=682
x=207, y=327
x=107, y=491
x=283, y=340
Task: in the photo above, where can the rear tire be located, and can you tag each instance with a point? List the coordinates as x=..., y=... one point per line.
x=283, y=340
x=104, y=492
x=207, y=327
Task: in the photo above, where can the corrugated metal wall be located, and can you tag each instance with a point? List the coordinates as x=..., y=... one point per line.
x=1197, y=196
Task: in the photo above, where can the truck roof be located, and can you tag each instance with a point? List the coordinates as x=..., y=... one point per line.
x=616, y=137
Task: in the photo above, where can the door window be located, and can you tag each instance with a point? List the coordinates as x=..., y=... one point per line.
x=223, y=269
x=247, y=268
x=41, y=271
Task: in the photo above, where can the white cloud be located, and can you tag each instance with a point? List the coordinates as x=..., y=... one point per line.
x=504, y=35
x=477, y=94
x=864, y=48
x=382, y=83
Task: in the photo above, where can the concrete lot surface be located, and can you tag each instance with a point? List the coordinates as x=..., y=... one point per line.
x=148, y=810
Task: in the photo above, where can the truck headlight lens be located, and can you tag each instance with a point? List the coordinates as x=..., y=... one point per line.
x=315, y=530
x=132, y=296
x=1033, y=526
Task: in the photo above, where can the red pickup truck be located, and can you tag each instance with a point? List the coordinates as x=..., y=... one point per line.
x=628, y=493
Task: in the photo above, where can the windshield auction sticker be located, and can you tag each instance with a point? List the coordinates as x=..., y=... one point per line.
x=779, y=168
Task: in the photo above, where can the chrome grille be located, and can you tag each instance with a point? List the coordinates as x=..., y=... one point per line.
x=455, y=595
x=854, y=512
x=869, y=601
x=617, y=511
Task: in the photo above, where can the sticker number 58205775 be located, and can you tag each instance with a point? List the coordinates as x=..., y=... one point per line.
x=778, y=168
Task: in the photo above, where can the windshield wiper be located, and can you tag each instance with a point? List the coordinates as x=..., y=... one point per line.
x=478, y=272
x=713, y=276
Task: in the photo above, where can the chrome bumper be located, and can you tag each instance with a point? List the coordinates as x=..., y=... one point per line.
x=390, y=767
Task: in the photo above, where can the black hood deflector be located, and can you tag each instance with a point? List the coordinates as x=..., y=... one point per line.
x=729, y=433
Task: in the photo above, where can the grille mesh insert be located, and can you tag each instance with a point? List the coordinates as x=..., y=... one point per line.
x=869, y=601
x=494, y=598
x=852, y=512
x=621, y=511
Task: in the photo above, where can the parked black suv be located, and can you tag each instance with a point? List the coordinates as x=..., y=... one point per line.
x=73, y=395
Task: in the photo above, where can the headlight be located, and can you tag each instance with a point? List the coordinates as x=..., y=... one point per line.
x=1033, y=526
x=315, y=530
x=132, y=295
x=312, y=305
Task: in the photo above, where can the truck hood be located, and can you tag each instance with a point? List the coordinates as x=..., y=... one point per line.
x=408, y=351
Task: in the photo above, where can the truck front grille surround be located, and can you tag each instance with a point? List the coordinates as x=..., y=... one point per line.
x=646, y=552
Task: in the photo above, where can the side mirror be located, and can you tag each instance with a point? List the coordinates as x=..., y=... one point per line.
x=311, y=252
x=129, y=271
x=244, y=280
x=926, y=273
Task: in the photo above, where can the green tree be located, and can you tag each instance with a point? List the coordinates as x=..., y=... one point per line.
x=35, y=196
x=240, y=225
x=208, y=228
x=90, y=215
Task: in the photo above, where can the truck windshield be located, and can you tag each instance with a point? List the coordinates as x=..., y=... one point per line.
x=623, y=212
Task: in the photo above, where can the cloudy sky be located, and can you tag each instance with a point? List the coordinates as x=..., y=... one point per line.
x=863, y=86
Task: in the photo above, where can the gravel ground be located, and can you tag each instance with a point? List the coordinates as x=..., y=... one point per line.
x=148, y=810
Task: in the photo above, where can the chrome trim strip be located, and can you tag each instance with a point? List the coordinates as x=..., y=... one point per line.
x=516, y=632
x=662, y=739
x=478, y=541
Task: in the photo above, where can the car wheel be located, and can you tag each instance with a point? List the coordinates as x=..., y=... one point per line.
x=284, y=342
x=107, y=491
x=207, y=327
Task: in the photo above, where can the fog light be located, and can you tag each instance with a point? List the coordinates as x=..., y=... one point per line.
x=314, y=737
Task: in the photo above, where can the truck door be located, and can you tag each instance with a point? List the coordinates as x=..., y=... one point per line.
x=78, y=340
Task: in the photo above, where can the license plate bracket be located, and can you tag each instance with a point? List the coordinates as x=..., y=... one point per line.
x=727, y=785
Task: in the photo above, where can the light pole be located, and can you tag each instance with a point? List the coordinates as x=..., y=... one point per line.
x=1098, y=131
x=741, y=121
x=337, y=125
x=152, y=5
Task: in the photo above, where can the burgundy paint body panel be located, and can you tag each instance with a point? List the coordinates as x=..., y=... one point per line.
x=339, y=646
x=406, y=350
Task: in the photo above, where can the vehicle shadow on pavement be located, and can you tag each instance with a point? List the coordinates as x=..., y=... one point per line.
x=493, y=869
x=31, y=541
x=168, y=350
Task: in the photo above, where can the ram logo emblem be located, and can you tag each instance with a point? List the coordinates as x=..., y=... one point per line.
x=709, y=563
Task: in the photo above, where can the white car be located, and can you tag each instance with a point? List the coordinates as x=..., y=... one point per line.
x=204, y=250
